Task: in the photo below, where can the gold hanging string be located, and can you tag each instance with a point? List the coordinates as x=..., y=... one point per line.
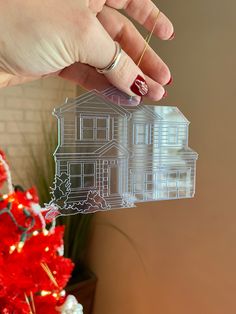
x=28, y=303
x=49, y=273
x=32, y=301
x=148, y=38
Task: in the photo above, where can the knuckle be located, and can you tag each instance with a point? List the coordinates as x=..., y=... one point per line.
x=125, y=70
x=96, y=6
x=165, y=27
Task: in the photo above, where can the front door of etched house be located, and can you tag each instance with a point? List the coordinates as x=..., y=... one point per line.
x=114, y=182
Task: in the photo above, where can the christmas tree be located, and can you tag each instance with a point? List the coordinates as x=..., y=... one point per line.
x=33, y=271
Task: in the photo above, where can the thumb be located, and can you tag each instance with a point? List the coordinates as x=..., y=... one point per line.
x=99, y=50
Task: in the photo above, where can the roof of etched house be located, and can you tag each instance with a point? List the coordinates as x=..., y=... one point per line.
x=93, y=149
x=122, y=104
x=85, y=150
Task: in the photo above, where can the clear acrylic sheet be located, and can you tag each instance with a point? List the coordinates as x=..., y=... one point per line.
x=112, y=154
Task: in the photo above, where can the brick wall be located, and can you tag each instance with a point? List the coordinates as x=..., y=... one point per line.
x=24, y=109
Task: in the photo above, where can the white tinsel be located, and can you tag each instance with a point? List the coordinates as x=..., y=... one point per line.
x=70, y=306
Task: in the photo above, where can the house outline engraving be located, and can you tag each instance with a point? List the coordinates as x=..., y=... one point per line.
x=122, y=154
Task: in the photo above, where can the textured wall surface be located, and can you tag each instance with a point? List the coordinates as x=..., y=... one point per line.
x=23, y=111
x=188, y=246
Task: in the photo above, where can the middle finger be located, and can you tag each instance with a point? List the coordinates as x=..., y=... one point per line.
x=131, y=41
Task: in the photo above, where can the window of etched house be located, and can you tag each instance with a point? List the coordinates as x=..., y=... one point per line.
x=88, y=175
x=138, y=183
x=82, y=175
x=148, y=184
x=87, y=128
x=142, y=134
x=173, y=135
x=143, y=182
x=93, y=128
x=174, y=183
x=76, y=176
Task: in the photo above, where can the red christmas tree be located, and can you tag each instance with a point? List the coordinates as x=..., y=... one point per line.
x=33, y=271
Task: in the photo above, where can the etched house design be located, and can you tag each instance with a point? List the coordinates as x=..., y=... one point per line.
x=125, y=153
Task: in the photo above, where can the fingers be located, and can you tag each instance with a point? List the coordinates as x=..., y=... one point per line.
x=123, y=31
x=130, y=79
x=145, y=12
x=156, y=91
x=89, y=78
x=98, y=51
x=86, y=76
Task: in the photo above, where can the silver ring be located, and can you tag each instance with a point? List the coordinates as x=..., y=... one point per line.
x=114, y=61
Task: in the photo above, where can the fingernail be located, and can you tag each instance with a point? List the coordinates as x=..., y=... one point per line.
x=170, y=81
x=172, y=36
x=165, y=95
x=133, y=101
x=139, y=86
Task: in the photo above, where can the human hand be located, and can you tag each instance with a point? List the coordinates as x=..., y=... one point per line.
x=70, y=38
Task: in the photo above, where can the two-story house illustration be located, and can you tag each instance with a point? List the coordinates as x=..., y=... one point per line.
x=125, y=153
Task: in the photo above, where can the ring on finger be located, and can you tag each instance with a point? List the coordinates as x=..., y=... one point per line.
x=114, y=62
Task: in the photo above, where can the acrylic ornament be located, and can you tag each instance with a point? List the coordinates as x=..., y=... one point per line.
x=112, y=154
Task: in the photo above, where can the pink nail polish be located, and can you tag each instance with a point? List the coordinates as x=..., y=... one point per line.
x=139, y=86
x=172, y=36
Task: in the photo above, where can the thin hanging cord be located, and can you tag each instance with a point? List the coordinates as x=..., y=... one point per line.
x=148, y=39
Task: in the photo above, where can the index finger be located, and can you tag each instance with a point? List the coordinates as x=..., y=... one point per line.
x=145, y=12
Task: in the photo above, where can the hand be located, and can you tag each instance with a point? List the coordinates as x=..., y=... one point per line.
x=70, y=38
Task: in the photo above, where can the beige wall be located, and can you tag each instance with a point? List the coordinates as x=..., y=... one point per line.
x=23, y=110
x=188, y=247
